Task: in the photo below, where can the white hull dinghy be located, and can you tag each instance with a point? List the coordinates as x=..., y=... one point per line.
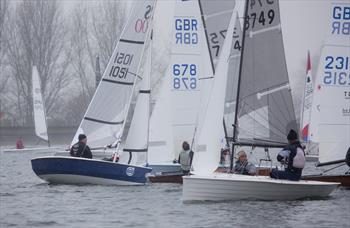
x=220, y=187
x=264, y=114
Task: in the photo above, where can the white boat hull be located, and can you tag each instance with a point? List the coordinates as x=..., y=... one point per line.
x=220, y=187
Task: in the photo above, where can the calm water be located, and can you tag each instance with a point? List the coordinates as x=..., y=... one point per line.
x=25, y=201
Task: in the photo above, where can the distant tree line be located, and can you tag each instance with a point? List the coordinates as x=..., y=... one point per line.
x=63, y=44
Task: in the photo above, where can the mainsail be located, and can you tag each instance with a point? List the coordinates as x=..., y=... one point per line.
x=306, y=102
x=38, y=106
x=265, y=111
x=190, y=62
x=207, y=156
x=330, y=116
x=104, y=119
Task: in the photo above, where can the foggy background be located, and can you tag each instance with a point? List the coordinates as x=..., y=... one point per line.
x=63, y=39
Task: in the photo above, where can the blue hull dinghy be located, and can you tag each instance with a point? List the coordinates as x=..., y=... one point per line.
x=73, y=170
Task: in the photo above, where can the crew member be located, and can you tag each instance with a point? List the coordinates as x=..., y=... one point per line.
x=242, y=166
x=293, y=157
x=185, y=158
x=80, y=149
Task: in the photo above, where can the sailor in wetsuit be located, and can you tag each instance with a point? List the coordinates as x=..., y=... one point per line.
x=80, y=149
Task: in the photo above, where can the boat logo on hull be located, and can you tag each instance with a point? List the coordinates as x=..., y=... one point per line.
x=130, y=171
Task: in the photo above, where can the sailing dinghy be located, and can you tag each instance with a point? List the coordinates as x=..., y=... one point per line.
x=263, y=115
x=109, y=120
x=330, y=116
x=39, y=117
x=310, y=147
x=174, y=119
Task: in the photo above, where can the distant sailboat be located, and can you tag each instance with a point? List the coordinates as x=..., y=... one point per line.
x=39, y=115
x=330, y=116
x=38, y=107
x=311, y=148
x=110, y=111
x=306, y=102
x=263, y=115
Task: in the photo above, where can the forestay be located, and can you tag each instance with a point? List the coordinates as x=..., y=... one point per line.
x=330, y=125
x=265, y=106
x=190, y=62
x=217, y=16
x=104, y=119
x=38, y=107
x=207, y=156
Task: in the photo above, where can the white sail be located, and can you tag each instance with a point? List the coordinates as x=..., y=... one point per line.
x=330, y=116
x=104, y=119
x=38, y=106
x=137, y=138
x=306, y=102
x=161, y=147
x=190, y=63
x=207, y=155
x=217, y=16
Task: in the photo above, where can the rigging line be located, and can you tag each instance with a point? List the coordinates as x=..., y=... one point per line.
x=291, y=112
x=261, y=117
x=136, y=75
x=253, y=132
x=280, y=110
x=275, y=103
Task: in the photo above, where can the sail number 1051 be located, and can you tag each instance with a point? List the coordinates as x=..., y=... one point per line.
x=122, y=61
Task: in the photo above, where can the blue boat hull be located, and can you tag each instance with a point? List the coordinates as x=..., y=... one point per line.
x=72, y=170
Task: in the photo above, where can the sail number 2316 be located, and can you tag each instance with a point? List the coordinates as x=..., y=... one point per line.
x=336, y=70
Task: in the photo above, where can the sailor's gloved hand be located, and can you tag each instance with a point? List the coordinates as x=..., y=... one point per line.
x=175, y=161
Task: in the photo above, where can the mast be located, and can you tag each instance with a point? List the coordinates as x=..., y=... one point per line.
x=150, y=92
x=239, y=85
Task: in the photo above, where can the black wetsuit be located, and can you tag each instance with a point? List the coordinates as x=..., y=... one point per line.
x=80, y=149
